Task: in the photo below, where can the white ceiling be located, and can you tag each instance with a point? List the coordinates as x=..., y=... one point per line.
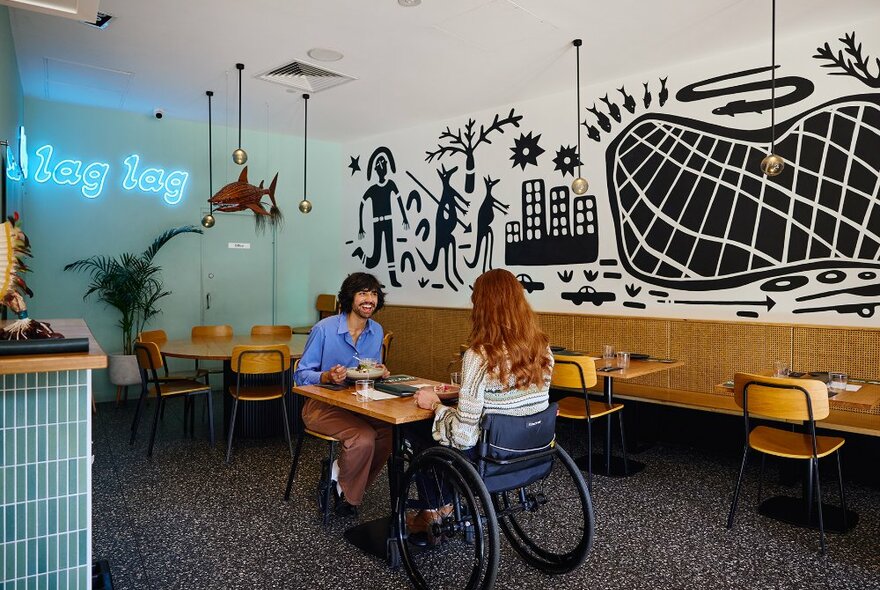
x=436, y=61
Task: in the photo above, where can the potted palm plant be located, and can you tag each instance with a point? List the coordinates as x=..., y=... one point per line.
x=132, y=284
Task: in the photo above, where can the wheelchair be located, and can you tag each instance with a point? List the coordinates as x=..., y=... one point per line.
x=517, y=479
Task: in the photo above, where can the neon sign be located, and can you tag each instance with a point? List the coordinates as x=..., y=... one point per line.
x=92, y=177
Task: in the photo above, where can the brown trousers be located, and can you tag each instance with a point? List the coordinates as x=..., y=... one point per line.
x=365, y=445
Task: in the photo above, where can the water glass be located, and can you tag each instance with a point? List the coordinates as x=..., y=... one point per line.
x=837, y=381
x=780, y=369
x=362, y=389
x=608, y=354
x=623, y=360
x=455, y=378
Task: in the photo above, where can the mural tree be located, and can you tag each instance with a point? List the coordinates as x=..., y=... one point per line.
x=465, y=141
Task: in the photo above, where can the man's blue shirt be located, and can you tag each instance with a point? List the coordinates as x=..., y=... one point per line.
x=330, y=344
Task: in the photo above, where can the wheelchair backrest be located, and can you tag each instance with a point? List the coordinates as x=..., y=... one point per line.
x=515, y=451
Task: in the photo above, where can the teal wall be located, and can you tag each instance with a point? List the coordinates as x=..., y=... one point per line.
x=10, y=100
x=64, y=226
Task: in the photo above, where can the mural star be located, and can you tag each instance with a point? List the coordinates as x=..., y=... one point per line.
x=566, y=160
x=355, y=164
x=526, y=150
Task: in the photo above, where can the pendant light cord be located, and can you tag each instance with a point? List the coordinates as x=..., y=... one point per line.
x=240, y=69
x=305, y=146
x=578, y=61
x=773, y=82
x=210, y=150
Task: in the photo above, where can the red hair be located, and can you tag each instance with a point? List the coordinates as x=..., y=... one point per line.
x=505, y=329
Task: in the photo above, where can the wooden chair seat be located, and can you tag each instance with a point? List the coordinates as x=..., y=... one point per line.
x=574, y=408
x=793, y=445
x=316, y=434
x=179, y=387
x=326, y=305
x=257, y=393
x=192, y=375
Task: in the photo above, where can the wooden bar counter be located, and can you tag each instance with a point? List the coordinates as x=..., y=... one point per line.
x=46, y=441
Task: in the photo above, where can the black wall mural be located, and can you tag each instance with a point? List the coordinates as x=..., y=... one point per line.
x=466, y=141
x=692, y=211
x=691, y=214
x=379, y=196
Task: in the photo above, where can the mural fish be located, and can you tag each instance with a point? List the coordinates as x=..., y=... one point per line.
x=629, y=103
x=664, y=93
x=241, y=195
x=613, y=109
x=647, y=98
x=592, y=132
x=601, y=119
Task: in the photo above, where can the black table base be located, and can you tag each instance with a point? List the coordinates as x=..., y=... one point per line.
x=374, y=539
x=792, y=511
x=616, y=466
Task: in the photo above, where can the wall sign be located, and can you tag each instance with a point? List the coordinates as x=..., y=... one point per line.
x=91, y=177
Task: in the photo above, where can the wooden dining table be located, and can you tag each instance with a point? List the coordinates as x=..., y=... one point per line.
x=254, y=420
x=377, y=537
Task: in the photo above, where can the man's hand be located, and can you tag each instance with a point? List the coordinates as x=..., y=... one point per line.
x=335, y=375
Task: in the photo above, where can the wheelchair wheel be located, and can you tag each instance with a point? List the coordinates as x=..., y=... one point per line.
x=550, y=523
x=461, y=549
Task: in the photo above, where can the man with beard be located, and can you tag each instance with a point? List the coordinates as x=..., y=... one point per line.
x=335, y=343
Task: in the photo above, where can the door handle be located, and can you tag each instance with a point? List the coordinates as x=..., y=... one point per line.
x=208, y=302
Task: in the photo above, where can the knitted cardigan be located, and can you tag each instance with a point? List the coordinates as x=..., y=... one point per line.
x=481, y=394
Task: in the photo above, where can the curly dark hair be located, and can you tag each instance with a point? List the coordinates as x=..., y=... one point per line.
x=359, y=281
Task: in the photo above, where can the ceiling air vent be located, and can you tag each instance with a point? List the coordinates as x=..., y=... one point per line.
x=101, y=22
x=305, y=77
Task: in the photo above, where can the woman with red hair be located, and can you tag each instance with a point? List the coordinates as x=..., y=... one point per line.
x=506, y=370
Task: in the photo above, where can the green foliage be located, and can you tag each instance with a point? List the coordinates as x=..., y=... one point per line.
x=130, y=283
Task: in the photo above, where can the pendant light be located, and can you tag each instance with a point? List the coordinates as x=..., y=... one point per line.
x=239, y=156
x=579, y=185
x=208, y=220
x=772, y=164
x=305, y=205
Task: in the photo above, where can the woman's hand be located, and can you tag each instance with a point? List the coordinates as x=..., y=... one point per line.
x=426, y=398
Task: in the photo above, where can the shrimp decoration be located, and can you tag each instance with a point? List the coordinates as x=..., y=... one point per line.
x=14, y=246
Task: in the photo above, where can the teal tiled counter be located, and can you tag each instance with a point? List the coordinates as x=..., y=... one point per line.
x=46, y=449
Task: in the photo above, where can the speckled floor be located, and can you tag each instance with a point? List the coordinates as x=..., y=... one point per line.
x=186, y=520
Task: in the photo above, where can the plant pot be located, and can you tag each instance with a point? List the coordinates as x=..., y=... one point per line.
x=123, y=370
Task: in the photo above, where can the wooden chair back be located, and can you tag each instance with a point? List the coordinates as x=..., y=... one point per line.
x=222, y=331
x=280, y=331
x=148, y=356
x=326, y=305
x=785, y=398
x=386, y=346
x=158, y=336
x=258, y=360
x=574, y=372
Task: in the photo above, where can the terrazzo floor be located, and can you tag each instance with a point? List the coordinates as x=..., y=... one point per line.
x=186, y=520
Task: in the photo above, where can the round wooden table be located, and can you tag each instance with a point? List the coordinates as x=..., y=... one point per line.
x=255, y=420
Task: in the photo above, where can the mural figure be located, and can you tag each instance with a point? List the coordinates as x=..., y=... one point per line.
x=710, y=220
x=448, y=208
x=466, y=142
x=800, y=87
x=381, y=194
x=629, y=103
x=485, y=236
x=563, y=231
x=857, y=67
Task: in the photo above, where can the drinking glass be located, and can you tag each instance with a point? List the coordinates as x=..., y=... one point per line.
x=623, y=360
x=780, y=369
x=608, y=355
x=837, y=381
x=455, y=378
x=362, y=389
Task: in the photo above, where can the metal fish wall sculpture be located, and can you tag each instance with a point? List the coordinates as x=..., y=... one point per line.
x=241, y=195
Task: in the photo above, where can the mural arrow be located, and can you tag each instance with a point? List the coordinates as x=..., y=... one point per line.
x=768, y=302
